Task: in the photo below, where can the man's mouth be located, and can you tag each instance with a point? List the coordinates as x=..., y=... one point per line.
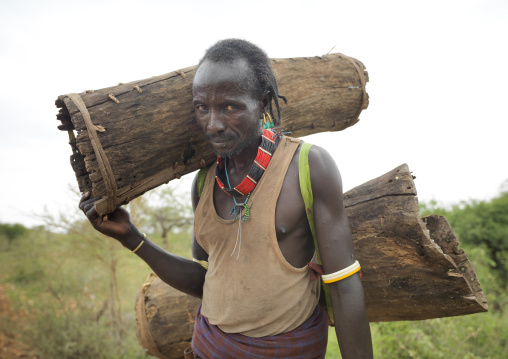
x=220, y=141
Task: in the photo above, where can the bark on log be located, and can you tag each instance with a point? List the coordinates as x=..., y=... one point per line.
x=164, y=319
x=408, y=274
x=149, y=135
x=411, y=267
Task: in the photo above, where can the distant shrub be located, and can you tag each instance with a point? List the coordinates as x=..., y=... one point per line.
x=25, y=272
x=482, y=335
x=69, y=335
x=12, y=231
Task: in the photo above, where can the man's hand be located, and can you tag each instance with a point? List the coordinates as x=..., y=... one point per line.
x=118, y=224
x=180, y=273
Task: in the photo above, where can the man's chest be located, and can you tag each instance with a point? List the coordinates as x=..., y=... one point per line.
x=291, y=225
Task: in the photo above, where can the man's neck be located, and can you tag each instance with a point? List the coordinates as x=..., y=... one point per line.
x=240, y=164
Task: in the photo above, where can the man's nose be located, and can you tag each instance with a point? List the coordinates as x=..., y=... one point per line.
x=216, y=123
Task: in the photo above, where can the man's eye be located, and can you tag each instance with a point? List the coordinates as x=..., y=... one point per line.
x=229, y=107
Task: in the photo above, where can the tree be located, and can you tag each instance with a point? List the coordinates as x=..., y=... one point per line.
x=480, y=223
x=486, y=223
x=167, y=208
x=98, y=249
x=12, y=231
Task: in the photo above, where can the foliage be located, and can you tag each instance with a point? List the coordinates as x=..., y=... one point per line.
x=167, y=210
x=65, y=291
x=65, y=295
x=63, y=281
x=70, y=332
x=12, y=231
x=482, y=227
x=433, y=207
x=482, y=335
x=486, y=223
x=480, y=223
x=77, y=287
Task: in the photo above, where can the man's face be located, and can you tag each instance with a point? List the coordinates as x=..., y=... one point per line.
x=226, y=106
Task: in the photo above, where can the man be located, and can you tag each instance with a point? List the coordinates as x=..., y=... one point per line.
x=251, y=230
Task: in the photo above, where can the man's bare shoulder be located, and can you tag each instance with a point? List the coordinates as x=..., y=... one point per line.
x=325, y=174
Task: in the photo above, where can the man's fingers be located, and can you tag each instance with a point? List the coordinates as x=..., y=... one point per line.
x=87, y=206
x=91, y=213
x=85, y=195
x=66, y=127
x=83, y=204
x=85, y=201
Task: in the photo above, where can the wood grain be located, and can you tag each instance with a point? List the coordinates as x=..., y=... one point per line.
x=148, y=133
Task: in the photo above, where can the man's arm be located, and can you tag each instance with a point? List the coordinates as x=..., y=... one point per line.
x=336, y=249
x=180, y=273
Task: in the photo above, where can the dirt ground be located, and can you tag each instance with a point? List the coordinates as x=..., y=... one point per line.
x=11, y=346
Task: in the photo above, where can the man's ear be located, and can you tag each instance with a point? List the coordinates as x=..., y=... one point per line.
x=265, y=102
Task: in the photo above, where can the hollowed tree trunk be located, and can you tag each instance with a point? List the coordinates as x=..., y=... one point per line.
x=149, y=135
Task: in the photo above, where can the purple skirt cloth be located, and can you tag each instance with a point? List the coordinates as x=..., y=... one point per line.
x=308, y=341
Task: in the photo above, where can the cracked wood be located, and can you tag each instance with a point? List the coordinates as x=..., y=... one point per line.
x=152, y=127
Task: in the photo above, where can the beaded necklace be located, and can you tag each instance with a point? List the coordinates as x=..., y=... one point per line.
x=248, y=184
x=257, y=169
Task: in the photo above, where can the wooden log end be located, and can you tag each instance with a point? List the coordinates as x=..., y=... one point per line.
x=406, y=274
x=156, y=304
x=445, y=237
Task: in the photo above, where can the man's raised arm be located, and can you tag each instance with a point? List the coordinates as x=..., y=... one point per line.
x=336, y=249
x=180, y=273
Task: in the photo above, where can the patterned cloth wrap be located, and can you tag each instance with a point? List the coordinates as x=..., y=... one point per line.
x=308, y=341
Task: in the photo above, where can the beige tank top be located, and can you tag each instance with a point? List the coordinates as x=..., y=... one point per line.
x=249, y=287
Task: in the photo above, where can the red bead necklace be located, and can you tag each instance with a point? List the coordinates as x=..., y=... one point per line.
x=263, y=157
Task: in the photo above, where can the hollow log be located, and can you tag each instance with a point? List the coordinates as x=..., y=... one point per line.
x=164, y=319
x=411, y=267
x=408, y=274
x=149, y=135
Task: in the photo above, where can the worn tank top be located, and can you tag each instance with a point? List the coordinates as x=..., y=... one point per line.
x=249, y=287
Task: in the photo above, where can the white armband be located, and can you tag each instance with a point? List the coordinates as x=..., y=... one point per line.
x=343, y=273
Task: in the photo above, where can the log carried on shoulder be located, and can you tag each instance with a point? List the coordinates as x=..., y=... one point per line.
x=411, y=268
x=136, y=136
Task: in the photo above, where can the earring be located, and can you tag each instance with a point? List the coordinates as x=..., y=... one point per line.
x=267, y=121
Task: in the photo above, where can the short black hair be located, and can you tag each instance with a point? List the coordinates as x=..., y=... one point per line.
x=230, y=50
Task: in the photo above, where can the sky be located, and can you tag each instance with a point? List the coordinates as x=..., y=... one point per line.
x=437, y=87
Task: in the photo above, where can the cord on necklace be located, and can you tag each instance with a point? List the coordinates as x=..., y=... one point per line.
x=237, y=208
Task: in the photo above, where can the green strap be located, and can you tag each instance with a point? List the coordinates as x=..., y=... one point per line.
x=308, y=199
x=201, y=180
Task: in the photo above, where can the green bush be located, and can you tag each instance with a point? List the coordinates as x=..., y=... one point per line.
x=72, y=334
x=26, y=272
x=481, y=335
x=62, y=283
x=12, y=231
x=62, y=291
